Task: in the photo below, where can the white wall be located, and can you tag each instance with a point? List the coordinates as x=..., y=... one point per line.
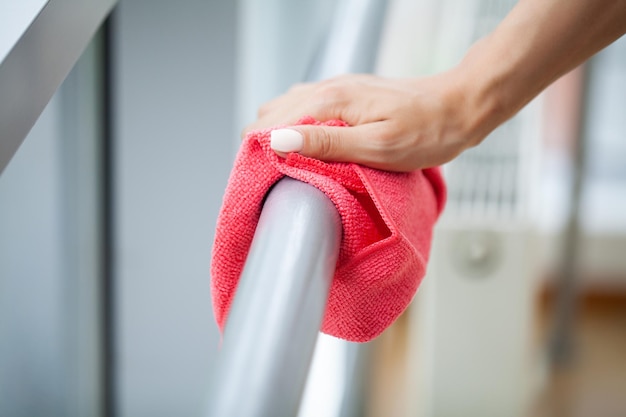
x=49, y=259
x=188, y=76
x=174, y=76
x=30, y=275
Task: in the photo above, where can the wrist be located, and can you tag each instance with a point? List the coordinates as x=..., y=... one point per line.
x=482, y=82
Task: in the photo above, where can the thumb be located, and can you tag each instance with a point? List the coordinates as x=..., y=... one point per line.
x=327, y=143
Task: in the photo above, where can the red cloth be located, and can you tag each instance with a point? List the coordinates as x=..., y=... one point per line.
x=387, y=223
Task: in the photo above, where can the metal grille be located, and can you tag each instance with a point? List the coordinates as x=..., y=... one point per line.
x=483, y=181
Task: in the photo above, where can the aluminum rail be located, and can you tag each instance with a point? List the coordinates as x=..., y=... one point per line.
x=41, y=42
x=276, y=314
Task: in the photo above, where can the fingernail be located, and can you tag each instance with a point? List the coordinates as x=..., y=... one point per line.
x=286, y=140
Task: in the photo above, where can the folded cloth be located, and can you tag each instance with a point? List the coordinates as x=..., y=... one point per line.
x=387, y=220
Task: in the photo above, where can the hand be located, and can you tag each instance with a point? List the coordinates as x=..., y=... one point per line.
x=395, y=124
x=402, y=125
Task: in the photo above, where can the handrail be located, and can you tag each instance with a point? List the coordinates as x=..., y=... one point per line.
x=277, y=311
x=276, y=314
x=44, y=52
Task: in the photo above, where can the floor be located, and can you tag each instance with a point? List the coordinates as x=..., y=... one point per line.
x=593, y=385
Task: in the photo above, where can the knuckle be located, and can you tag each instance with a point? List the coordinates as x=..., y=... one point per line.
x=298, y=87
x=387, y=153
x=385, y=138
x=344, y=77
x=329, y=92
x=263, y=109
x=387, y=145
x=327, y=145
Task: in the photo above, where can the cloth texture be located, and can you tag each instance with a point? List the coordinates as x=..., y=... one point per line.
x=387, y=220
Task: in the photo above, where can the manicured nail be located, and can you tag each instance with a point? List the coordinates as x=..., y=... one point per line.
x=286, y=140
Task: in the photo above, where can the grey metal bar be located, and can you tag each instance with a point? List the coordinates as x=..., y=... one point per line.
x=560, y=341
x=39, y=61
x=352, y=42
x=276, y=315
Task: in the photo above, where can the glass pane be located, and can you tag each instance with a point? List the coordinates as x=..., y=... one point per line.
x=50, y=257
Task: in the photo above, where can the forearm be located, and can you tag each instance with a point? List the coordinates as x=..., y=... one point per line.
x=539, y=41
x=408, y=124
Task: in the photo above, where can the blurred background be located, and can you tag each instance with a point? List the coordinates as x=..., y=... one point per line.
x=107, y=214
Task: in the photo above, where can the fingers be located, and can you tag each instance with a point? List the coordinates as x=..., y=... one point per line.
x=331, y=143
x=341, y=98
x=395, y=125
x=362, y=144
x=288, y=115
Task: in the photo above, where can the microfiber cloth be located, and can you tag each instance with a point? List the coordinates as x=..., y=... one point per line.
x=387, y=220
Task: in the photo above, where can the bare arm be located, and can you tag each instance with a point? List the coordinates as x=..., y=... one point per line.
x=407, y=124
x=539, y=41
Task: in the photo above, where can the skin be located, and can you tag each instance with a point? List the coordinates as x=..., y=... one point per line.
x=408, y=124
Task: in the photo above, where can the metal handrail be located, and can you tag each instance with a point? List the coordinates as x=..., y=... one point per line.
x=34, y=67
x=276, y=314
x=277, y=311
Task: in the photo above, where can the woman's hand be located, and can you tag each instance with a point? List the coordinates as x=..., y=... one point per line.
x=402, y=125
x=395, y=124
